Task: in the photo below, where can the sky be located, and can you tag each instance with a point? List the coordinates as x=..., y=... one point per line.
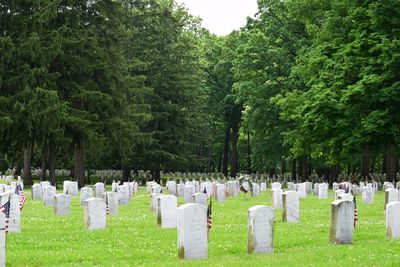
x=221, y=16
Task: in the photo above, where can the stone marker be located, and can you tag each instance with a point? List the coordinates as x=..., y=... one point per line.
x=342, y=222
x=99, y=190
x=111, y=199
x=86, y=193
x=62, y=203
x=291, y=206
x=276, y=185
x=301, y=188
x=73, y=188
x=309, y=188
x=2, y=240
x=337, y=193
x=154, y=202
x=14, y=222
x=391, y=195
x=323, y=191
x=192, y=231
x=276, y=198
x=291, y=186
x=316, y=189
x=368, y=195
x=181, y=190
x=123, y=194
x=263, y=187
x=256, y=190
x=189, y=191
x=48, y=195
x=167, y=211
x=260, y=231
x=37, y=192
x=171, y=187
x=220, y=193
x=95, y=214
x=346, y=196
x=393, y=220
x=66, y=187
x=231, y=188
x=200, y=198
x=114, y=187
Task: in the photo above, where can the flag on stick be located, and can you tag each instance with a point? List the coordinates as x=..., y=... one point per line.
x=6, y=210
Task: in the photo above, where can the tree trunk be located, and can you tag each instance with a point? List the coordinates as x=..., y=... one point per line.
x=226, y=152
x=18, y=168
x=157, y=173
x=283, y=167
x=27, y=166
x=391, y=162
x=79, y=170
x=52, y=161
x=44, y=164
x=300, y=166
x=235, y=156
x=365, y=159
x=293, y=171
x=126, y=173
x=305, y=172
x=248, y=154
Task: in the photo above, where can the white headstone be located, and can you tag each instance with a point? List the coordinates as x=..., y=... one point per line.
x=220, y=193
x=192, y=231
x=171, y=187
x=256, y=190
x=48, y=195
x=276, y=198
x=99, y=190
x=95, y=214
x=62, y=203
x=291, y=206
x=393, y=220
x=86, y=193
x=200, y=198
x=37, y=192
x=323, y=191
x=391, y=195
x=181, y=190
x=346, y=196
x=276, y=185
x=301, y=188
x=189, y=191
x=368, y=195
x=66, y=187
x=316, y=189
x=291, y=186
x=342, y=222
x=337, y=193
x=154, y=202
x=73, y=188
x=263, y=187
x=114, y=187
x=167, y=216
x=260, y=237
x=2, y=240
x=123, y=194
x=14, y=222
x=112, y=202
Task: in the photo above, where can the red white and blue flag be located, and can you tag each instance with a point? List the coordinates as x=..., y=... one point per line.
x=6, y=210
x=22, y=196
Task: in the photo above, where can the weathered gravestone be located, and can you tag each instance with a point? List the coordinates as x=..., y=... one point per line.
x=301, y=188
x=200, y=198
x=323, y=191
x=37, y=192
x=368, y=195
x=2, y=240
x=48, y=195
x=220, y=193
x=192, y=231
x=167, y=211
x=393, y=220
x=337, y=193
x=73, y=188
x=316, y=189
x=276, y=198
x=189, y=191
x=14, y=222
x=291, y=206
x=181, y=190
x=276, y=185
x=309, y=188
x=62, y=203
x=171, y=187
x=231, y=188
x=156, y=188
x=95, y=214
x=263, y=187
x=256, y=190
x=99, y=190
x=86, y=193
x=111, y=199
x=154, y=202
x=260, y=231
x=391, y=195
x=291, y=186
x=66, y=187
x=114, y=187
x=123, y=195
x=342, y=222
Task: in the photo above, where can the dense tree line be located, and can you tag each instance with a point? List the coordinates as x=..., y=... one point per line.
x=305, y=86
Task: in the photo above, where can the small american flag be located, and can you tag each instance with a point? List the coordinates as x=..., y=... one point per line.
x=107, y=206
x=209, y=218
x=22, y=196
x=6, y=210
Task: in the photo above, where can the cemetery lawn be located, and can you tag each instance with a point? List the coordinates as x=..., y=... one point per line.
x=133, y=238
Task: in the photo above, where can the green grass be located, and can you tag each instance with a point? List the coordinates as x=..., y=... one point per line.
x=134, y=239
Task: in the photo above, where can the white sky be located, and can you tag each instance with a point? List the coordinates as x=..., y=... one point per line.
x=221, y=16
